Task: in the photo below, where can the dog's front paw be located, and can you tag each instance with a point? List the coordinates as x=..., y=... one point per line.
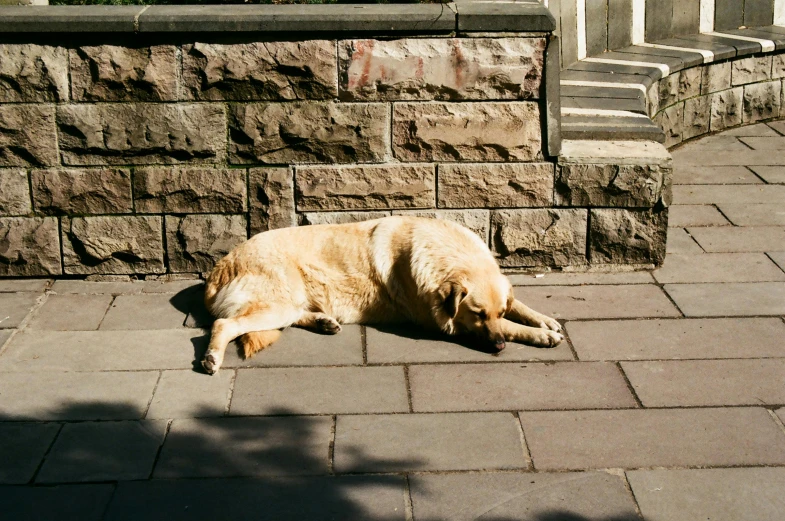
x=210, y=364
x=328, y=325
x=549, y=323
x=546, y=338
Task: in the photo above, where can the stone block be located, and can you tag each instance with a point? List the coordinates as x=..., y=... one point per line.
x=260, y=71
x=189, y=190
x=195, y=243
x=477, y=221
x=365, y=187
x=671, y=121
x=499, y=132
x=120, y=73
x=539, y=237
x=697, y=116
x=308, y=132
x=141, y=133
x=82, y=192
x=750, y=70
x=30, y=73
x=727, y=299
x=669, y=90
x=271, y=196
x=716, y=77
x=762, y=101
x=28, y=136
x=22, y=447
x=495, y=185
x=441, y=68
x=29, y=246
x=611, y=184
x=112, y=244
x=778, y=67
x=726, y=109
x=653, y=99
x=340, y=217
x=690, y=83
x=621, y=236
x=14, y=192
x=71, y=312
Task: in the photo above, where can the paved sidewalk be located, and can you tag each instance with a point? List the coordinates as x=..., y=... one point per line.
x=666, y=402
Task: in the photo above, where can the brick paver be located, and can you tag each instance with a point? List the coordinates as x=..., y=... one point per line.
x=573, y=302
x=71, y=312
x=718, y=267
x=729, y=299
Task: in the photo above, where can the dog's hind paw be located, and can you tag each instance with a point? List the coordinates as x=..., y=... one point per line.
x=210, y=364
x=328, y=325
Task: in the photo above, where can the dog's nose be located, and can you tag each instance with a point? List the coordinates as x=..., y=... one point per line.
x=499, y=345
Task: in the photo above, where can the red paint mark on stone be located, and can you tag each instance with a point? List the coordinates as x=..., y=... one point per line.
x=364, y=55
x=418, y=73
x=459, y=62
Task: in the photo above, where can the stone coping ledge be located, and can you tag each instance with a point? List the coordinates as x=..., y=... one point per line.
x=367, y=18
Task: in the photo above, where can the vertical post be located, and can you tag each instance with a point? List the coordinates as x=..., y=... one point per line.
x=638, y=21
x=581, y=8
x=707, y=16
x=779, y=12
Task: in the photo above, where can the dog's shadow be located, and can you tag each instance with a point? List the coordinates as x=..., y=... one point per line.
x=413, y=332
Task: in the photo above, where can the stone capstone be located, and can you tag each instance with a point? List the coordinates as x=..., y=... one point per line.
x=189, y=190
x=539, y=237
x=716, y=77
x=260, y=71
x=697, y=116
x=196, y=242
x=441, y=68
x=117, y=73
x=113, y=245
x=27, y=135
x=477, y=221
x=31, y=73
x=340, y=217
x=488, y=185
x=750, y=70
x=29, y=247
x=620, y=236
x=610, y=185
x=272, y=199
x=141, y=133
x=726, y=109
x=365, y=187
x=308, y=132
x=14, y=192
x=501, y=131
x=762, y=101
x=80, y=192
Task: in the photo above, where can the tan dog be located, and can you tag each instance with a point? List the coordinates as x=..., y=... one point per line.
x=429, y=272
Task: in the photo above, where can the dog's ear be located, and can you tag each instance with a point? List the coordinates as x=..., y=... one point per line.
x=452, y=294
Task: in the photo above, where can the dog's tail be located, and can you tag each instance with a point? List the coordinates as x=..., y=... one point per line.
x=257, y=340
x=221, y=275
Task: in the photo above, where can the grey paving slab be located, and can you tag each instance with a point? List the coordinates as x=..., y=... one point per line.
x=778, y=257
x=143, y=312
x=319, y=390
x=579, y=279
x=771, y=174
x=521, y=496
x=715, y=175
x=716, y=142
x=733, y=239
x=233, y=447
x=686, y=383
x=765, y=143
x=781, y=415
x=123, y=288
x=71, y=312
x=300, y=347
x=82, y=502
x=14, y=307
x=682, y=215
x=718, y=267
x=755, y=214
x=715, y=194
x=757, y=130
x=678, y=339
x=401, y=442
x=22, y=447
x=323, y=498
x=5, y=334
x=509, y=387
x=103, y=451
x=638, y=438
x=679, y=241
x=75, y=396
x=190, y=394
x=16, y=285
x=38, y=351
x=734, y=158
x=571, y=302
x=716, y=494
x=777, y=126
x=729, y=299
x=407, y=346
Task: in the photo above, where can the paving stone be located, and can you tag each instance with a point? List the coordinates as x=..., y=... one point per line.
x=271, y=499
x=755, y=214
x=533, y=386
x=683, y=215
x=14, y=307
x=781, y=415
x=22, y=447
x=571, y=302
x=758, y=130
x=779, y=258
x=143, y=312
x=188, y=394
x=324, y=390
x=688, y=383
x=16, y=285
x=771, y=174
x=405, y=345
x=406, y=442
x=41, y=351
x=718, y=267
x=83, y=502
x=679, y=241
x=729, y=299
x=103, y=451
x=733, y=239
x=234, y=447
x=123, y=288
x=715, y=142
x=541, y=496
x=580, y=279
x=677, y=339
x=716, y=494
x=777, y=126
x=71, y=312
x=718, y=175
x=566, y=440
x=718, y=194
x=76, y=396
x=765, y=143
x=31, y=247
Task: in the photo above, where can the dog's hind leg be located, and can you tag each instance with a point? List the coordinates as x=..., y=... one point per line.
x=520, y=312
x=532, y=336
x=320, y=322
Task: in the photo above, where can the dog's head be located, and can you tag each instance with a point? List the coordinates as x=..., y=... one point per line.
x=477, y=307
